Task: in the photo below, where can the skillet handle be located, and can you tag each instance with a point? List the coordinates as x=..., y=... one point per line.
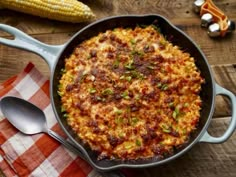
x=210, y=139
x=23, y=41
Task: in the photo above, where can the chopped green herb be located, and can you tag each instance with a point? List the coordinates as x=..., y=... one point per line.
x=89, y=57
x=63, y=109
x=164, y=87
x=177, y=110
x=122, y=77
x=134, y=120
x=98, y=98
x=130, y=66
x=159, y=85
x=142, y=25
x=186, y=105
x=116, y=63
x=134, y=74
x=59, y=93
x=60, y=86
x=171, y=105
x=119, y=120
x=107, y=91
x=166, y=128
x=156, y=28
x=128, y=78
x=128, y=145
x=65, y=115
x=151, y=67
x=163, y=42
x=135, y=52
x=138, y=142
x=146, y=47
x=132, y=41
x=185, y=131
x=175, y=113
x=125, y=95
x=137, y=97
x=118, y=111
x=92, y=90
x=63, y=70
x=121, y=134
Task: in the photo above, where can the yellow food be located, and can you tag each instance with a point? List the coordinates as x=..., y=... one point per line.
x=62, y=10
x=131, y=94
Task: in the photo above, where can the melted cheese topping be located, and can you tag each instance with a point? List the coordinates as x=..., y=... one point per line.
x=131, y=94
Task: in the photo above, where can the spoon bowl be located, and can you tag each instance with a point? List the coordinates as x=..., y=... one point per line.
x=23, y=115
x=30, y=119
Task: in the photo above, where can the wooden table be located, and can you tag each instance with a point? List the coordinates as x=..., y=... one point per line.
x=203, y=160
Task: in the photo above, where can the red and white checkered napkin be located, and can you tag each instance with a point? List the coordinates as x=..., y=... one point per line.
x=37, y=155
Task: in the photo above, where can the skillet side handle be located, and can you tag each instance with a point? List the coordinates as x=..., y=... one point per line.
x=23, y=41
x=208, y=138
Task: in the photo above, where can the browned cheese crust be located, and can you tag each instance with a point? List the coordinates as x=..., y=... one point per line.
x=131, y=94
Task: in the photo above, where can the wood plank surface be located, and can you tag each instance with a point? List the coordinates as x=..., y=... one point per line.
x=204, y=159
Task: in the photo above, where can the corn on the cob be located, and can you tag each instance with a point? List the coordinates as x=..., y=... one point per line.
x=62, y=10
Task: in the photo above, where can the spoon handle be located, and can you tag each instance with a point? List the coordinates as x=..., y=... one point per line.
x=72, y=148
x=66, y=143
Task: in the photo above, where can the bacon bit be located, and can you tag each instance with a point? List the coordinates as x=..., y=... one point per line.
x=69, y=87
x=157, y=118
x=82, y=62
x=148, y=49
x=150, y=96
x=96, y=130
x=117, y=96
x=158, y=58
x=95, y=99
x=118, y=40
x=112, y=37
x=174, y=133
x=94, y=71
x=137, y=61
x=134, y=107
x=155, y=81
x=162, y=47
x=102, y=38
x=145, y=138
x=169, y=99
x=157, y=149
x=114, y=141
x=83, y=109
x=139, y=149
x=196, y=80
x=110, y=55
x=153, y=134
x=144, y=69
x=92, y=123
x=93, y=53
x=79, y=76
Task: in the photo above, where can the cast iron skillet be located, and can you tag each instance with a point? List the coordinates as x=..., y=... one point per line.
x=55, y=55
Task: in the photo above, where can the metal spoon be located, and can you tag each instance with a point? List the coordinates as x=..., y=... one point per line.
x=30, y=119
